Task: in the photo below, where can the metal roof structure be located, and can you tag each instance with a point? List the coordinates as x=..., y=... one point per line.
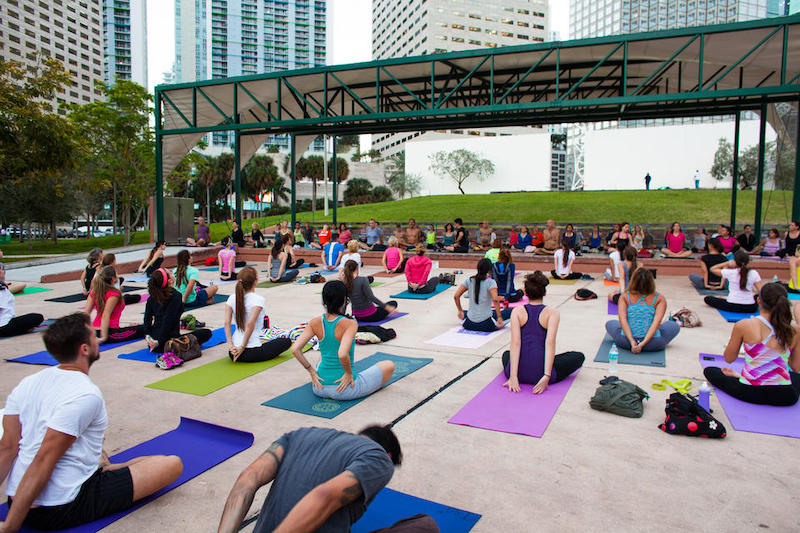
x=699, y=71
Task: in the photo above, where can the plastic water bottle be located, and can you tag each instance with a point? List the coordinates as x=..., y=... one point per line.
x=775, y=279
x=266, y=322
x=613, y=358
x=704, y=397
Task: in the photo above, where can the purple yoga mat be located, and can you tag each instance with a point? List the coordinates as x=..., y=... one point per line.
x=496, y=409
x=384, y=321
x=613, y=309
x=767, y=419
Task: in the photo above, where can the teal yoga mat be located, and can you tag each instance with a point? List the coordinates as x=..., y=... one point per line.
x=626, y=357
x=303, y=400
x=413, y=296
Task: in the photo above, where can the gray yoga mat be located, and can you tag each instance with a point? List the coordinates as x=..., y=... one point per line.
x=626, y=357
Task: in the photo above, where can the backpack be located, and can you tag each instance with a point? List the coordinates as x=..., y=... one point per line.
x=184, y=347
x=619, y=397
x=687, y=318
x=210, y=261
x=686, y=417
x=447, y=278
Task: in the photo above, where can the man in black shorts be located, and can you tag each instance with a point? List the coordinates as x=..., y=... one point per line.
x=52, y=446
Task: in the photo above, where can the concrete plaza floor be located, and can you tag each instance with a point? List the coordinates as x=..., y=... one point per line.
x=591, y=471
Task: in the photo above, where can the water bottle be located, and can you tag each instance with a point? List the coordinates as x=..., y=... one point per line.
x=775, y=279
x=613, y=357
x=266, y=322
x=704, y=398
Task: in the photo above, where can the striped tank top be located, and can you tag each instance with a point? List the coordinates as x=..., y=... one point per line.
x=764, y=365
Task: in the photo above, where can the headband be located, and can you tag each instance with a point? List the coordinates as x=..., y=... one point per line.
x=164, y=276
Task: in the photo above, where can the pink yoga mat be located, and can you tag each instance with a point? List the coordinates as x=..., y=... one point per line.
x=496, y=409
x=767, y=419
x=613, y=309
x=520, y=303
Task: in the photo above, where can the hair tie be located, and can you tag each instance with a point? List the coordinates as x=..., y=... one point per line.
x=164, y=276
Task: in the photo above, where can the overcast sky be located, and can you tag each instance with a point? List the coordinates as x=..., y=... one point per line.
x=349, y=38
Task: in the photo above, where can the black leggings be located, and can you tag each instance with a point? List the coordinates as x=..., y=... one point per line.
x=724, y=305
x=574, y=275
x=265, y=352
x=428, y=288
x=296, y=264
x=233, y=277
x=379, y=314
x=20, y=325
x=460, y=249
x=564, y=364
x=778, y=395
x=155, y=266
x=202, y=335
x=124, y=334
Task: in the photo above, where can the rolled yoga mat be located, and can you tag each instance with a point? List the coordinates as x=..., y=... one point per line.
x=414, y=296
x=73, y=298
x=146, y=356
x=380, y=322
x=303, y=400
x=730, y=316
x=200, y=446
x=44, y=358
x=390, y=506
x=627, y=357
x=204, y=380
x=750, y=417
x=496, y=409
x=458, y=337
x=613, y=309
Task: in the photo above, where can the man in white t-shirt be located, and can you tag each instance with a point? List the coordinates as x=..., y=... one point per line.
x=51, y=451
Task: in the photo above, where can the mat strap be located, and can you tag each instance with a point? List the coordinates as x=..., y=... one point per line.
x=683, y=386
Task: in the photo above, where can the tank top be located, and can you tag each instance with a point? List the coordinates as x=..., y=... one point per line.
x=772, y=247
x=430, y=238
x=274, y=266
x=504, y=276
x=531, y=351
x=87, y=279
x=330, y=368
x=448, y=240
x=113, y=321
x=791, y=244
x=764, y=365
x=392, y=257
x=640, y=316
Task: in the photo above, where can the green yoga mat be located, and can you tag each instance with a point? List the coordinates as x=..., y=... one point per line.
x=268, y=284
x=33, y=290
x=216, y=375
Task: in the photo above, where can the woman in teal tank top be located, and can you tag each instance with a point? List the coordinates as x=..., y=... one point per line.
x=335, y=376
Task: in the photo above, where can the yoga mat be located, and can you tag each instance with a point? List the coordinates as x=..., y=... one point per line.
x=139, y=278
x=711, y=292
x=303, y=400
x=44, y=358
x=523, y=301
x=385, y=275
x=496, y=409
x=766, y=419
x=146, y=356
x=613, y=309
x=200, y=446
x=328, y=272
x=390, y=506
x=269, y=284
x=793, y=296
x=32, y=290
x=384, y=321
x=626, y=357
x=216, y=268
x=73, y=298
x=556, y=281
x=413, y=296
x=735, y=317
x=610, y=283
x=210, y=377
x=44, y=325
x=459, y=337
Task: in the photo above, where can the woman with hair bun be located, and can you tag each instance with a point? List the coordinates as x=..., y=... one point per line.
x=772, y=354
x=532, y=358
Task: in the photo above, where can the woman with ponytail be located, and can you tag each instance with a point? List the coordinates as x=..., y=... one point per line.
x=335, y=376
x=245, y=308
x=94, y=261
x=162, y=313
x=532, y=358
x=503, y=272
x=107, y=302
x=279, y=260
x=366, y=306
x=186, y=280
x=482, y=291
x=563, y=260
x=772, y=354
x=742, y=282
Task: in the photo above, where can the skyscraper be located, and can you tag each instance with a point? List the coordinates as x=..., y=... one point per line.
x=225, y=38
x=417, y=27
x=125, y=39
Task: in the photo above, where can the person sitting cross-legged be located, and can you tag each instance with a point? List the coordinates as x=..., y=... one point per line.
x=482, y=291
x=51, y=451
x=417, y=269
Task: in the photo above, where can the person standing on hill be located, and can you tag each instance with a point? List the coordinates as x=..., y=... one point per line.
x=647, y=180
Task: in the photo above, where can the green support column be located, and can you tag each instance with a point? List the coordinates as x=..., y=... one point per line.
x=159, y=192
x=796, y=197
x=237, y=175
x=292, y=178
x=762, y=141
x=335, y=183
x=735, y=175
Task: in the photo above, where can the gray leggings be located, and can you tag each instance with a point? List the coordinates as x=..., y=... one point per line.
x=668, y=330
x=697, y=281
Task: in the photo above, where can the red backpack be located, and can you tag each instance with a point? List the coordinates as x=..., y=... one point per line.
x=211, y=261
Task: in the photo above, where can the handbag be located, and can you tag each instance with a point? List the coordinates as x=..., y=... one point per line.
x=619, y=397
x=184, y=347
x=686, y=417
x=447, y=278
x=687, y=318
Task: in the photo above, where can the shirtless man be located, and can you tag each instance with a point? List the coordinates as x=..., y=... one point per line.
x=413, y=234
x=485, y=235
x=401, y=236
x=552, y=237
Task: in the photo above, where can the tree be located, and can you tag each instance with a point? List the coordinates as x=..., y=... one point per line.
x=460, y=165
x=258, y=175
x=178, y=182
x=723, y=160
x=313, y=167
x=345, y=142
x=358, y=191
x=399, y=182
x=381, y=194
x=273, y=149
x=119, y=131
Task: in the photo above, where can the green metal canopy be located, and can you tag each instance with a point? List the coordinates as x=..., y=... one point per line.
x=700, y=71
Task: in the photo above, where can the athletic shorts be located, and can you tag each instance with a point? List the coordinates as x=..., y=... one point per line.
x=104, y=493
x=365, y=384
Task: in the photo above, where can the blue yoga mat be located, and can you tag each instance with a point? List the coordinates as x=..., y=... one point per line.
x=303, y=400
x=413, y=296
x=44, y=358
x=390, y=506
x=381, y=322
x=200, y=446
x=328, y=272
x=146, y=356
x=794, y=296
x=735, y=317
x=626, y=357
